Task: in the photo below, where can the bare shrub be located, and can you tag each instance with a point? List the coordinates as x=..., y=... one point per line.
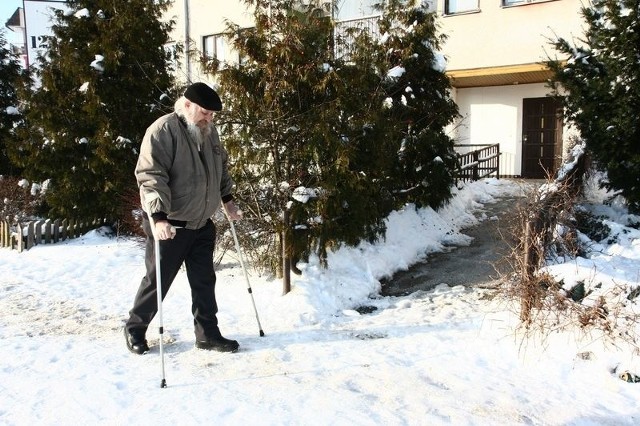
x=546, y=231
x=20, y=200
x=541, y=231
x=129, y=221
x=257, y=243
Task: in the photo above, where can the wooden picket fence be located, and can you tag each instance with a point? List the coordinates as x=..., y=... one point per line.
x=23, y=236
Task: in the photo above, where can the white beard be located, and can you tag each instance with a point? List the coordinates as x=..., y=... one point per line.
x=197, y=133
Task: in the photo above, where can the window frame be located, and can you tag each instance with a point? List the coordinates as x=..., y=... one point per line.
x=447, y=9
x=222, y=51
x=217, y=44
x=505, y=4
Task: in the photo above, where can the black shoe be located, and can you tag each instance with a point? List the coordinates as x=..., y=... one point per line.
x=136, y=341
x=219, y=344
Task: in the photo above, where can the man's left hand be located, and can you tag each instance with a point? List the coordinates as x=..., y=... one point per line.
x=233, y=212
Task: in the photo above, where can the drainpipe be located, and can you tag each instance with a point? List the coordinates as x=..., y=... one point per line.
x=187, y=38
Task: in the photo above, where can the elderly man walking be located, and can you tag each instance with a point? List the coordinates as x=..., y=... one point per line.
x=183, y=179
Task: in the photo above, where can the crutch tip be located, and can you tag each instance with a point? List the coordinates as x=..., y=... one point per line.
x=163, y=383
x=261, y=333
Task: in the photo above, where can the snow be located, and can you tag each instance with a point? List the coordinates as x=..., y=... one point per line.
x=396, y=72
x=97, y=63
x=439, y=62
x=303, y=195
x=452, y=355
x=82, y=13
x=576, y=152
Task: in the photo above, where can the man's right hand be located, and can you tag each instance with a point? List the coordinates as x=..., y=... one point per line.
x=164, y=230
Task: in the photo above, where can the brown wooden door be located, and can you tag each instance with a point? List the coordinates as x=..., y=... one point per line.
x=541, y=137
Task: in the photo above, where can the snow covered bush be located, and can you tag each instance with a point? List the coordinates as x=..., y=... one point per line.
x=19, y=200
x=337, y=140
x=94, y=93
x=598, y=79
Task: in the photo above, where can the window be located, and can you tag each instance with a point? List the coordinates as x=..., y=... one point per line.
x=213, y=47
x=216, y=47
x=507, y=3
x=461, y=6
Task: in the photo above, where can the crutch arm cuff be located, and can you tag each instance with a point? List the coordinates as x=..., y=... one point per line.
x=156, y=216
x=159, y=216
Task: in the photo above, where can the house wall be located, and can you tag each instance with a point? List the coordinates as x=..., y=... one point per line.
x=208, y=17
x=499, y=36
x=495, y=36
x=354, y=9
x=494, y=115
x=502, y=36
x=38, y=20
x=205, y=17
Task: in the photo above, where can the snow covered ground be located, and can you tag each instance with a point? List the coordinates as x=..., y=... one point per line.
x=448, y=356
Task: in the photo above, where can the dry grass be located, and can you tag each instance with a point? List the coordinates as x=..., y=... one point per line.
x=546, y=229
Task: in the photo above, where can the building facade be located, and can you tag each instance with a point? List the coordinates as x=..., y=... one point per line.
x=495, y=50
x=33, y=22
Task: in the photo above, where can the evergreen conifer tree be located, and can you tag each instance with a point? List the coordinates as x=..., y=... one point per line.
x=282, y=129
x=419, y=104
x=99, y=86
x=11, y=77
x=600, y=84
x=309, y=132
